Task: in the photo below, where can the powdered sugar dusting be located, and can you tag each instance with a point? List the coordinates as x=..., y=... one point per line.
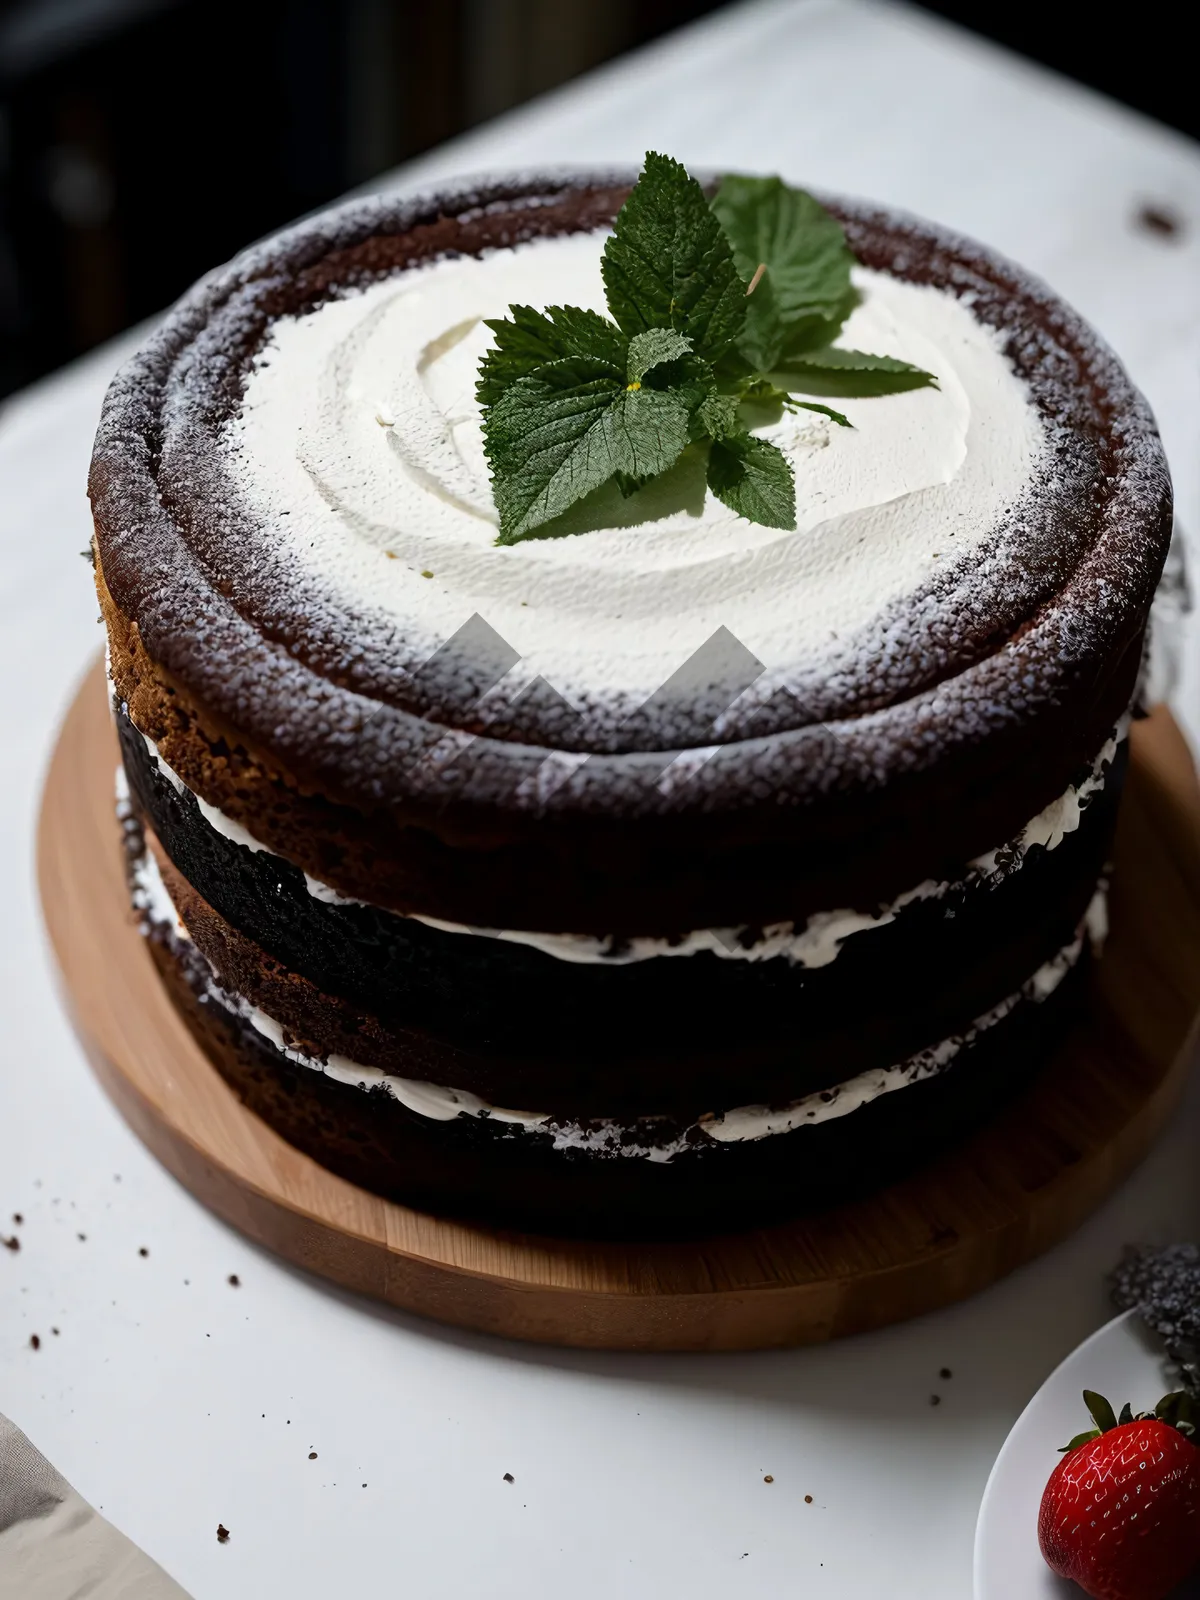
x=1024, y=636
x=358, y=447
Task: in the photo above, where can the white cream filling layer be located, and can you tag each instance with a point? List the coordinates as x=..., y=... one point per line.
x=610, y=1136
x=815, y=943
x=149, y=894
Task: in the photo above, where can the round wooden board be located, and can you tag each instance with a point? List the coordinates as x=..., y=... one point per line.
x=1012, y=1192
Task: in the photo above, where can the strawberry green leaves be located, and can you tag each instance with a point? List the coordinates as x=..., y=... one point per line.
x=1179, y=1410
x=705, y=300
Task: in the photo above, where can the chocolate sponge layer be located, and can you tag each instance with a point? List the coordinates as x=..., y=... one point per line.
x=488, y=1171
x=670, y=1034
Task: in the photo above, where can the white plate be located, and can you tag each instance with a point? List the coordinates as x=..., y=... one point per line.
x=1123, y=1361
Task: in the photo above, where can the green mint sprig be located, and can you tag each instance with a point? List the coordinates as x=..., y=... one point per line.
x=718, y=310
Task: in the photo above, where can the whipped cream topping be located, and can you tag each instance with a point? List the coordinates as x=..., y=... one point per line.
x=605, y=1136
x=814, y=943
x=359, y=444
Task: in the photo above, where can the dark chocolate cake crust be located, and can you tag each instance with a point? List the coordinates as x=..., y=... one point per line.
x=956, y=718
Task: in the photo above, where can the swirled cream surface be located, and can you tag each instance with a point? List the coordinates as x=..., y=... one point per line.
x=359, y=443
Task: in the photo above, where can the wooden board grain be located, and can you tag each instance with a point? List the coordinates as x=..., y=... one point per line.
x=1005, y=1196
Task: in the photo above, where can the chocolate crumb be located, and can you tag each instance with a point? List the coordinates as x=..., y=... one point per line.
x=54, y=1331
x=1160, y=220
x=508, y=1478
x=945, y=1373
x=312, y=1455
x=808, y=1499
x=11, y=1243
x=34, y=1342
x=142, y=1251
x=82, y=1237
x=234, y=1281
x=18, y=1219
x=935, y=1399
x=364, y=1486
x=768, y=1478
x=222, y=1533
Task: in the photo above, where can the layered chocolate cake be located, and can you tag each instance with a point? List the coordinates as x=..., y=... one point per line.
x=670, y=872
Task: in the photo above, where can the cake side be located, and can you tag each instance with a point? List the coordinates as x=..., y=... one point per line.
x=598, y=1027
x=666, y=869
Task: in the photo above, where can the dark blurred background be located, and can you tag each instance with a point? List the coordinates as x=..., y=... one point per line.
x=142, y=141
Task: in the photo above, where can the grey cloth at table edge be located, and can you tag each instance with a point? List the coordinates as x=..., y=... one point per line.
x=54, y=1546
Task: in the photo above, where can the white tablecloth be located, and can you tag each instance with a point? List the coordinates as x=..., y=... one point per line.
x=174, y=1401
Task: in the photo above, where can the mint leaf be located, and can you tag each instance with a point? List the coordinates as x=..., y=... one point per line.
x=716, y=417
x=805, y=293
x=572, y=400
x=825, y=411
x=808, y=260
x=628, y=485
x=528, y=338
x=816, y=329
x=647, y=430
x=668, y=264
x=653, y=349
x=768, y=341
x=762, y=339
x=762, y=392
x=754, y=479
x=853, y=373
x=545, y=442
x=566, y=428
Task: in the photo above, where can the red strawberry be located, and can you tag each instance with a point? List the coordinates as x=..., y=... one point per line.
x=1121, y=1513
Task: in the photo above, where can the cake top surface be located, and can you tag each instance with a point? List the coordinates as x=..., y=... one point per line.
x=358, y=448
x=292, y=505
